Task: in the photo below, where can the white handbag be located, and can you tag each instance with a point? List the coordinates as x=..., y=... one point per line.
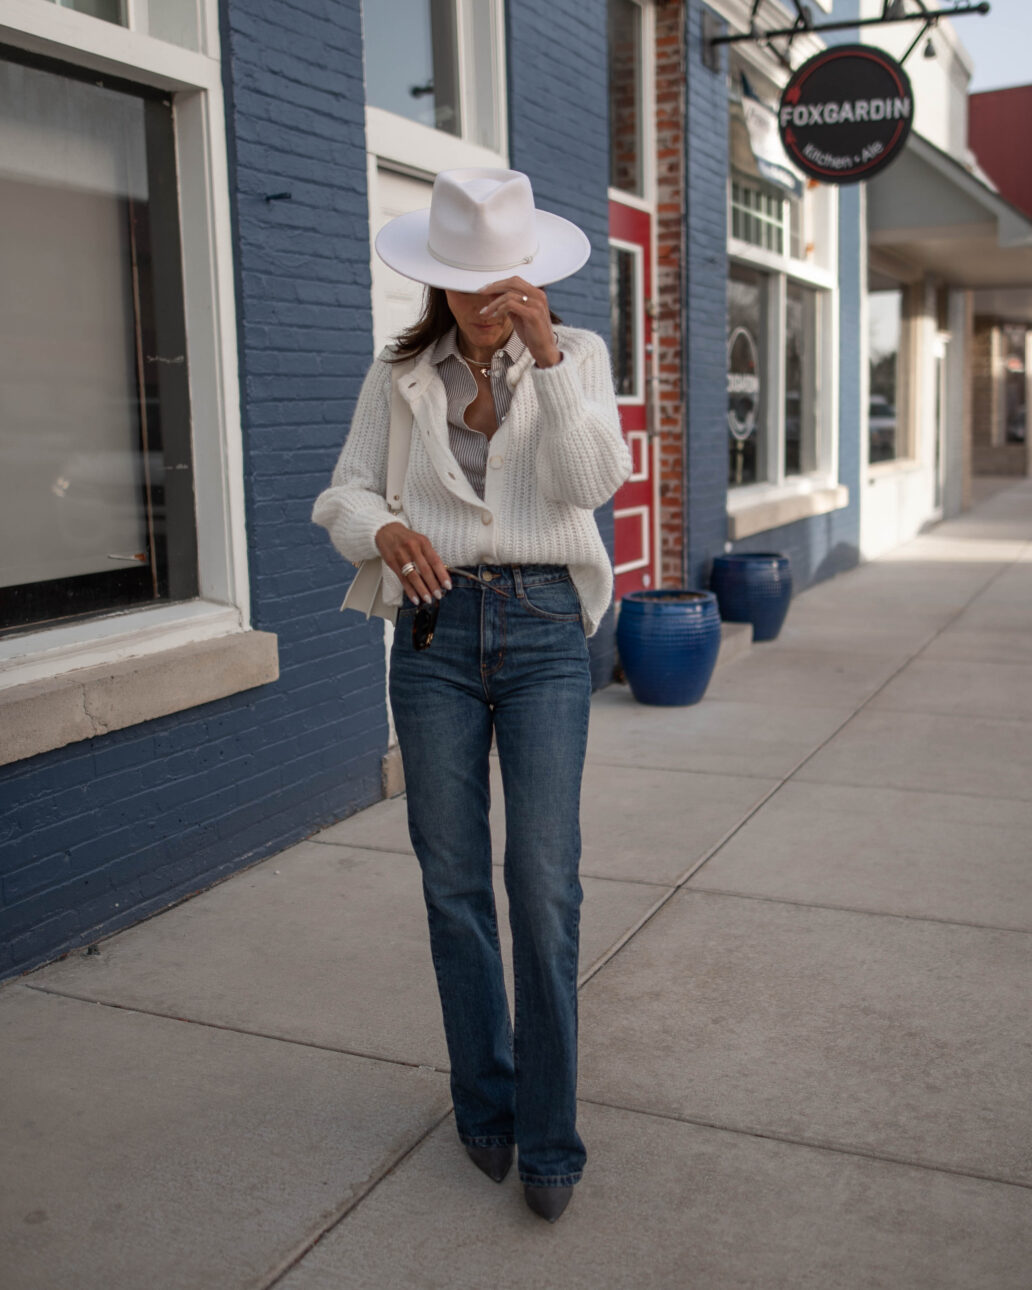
x=366, y=591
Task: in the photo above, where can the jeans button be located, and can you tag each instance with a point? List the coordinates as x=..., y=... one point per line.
x=488, y=576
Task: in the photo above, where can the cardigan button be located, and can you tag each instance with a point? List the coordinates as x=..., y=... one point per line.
x=495, y=462
x=485, y=517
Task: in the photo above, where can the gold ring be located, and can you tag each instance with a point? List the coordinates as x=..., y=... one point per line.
x=406, y=569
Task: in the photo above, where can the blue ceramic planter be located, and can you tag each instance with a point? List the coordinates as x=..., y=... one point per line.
x=668, y=643
x=753, y=587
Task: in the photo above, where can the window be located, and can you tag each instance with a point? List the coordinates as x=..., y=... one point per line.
x=884, y=338
x=435, y=62
x=774, y=423
x=780, y=303
x=626, y=153
x=120, y=442
x=747, y=386
x=96, y=495
x=801, y=364
x=625, y=308
x=759, y=214
x=173, y=20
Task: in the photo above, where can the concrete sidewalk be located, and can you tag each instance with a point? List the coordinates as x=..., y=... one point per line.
x=807, y=977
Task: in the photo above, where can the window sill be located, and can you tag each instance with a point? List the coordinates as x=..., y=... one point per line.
x=890, y=469
x=760, y=514
x=38, y=716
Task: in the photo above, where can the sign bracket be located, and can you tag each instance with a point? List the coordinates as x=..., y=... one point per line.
x=892, y=13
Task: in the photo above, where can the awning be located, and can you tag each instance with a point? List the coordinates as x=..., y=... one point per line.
x=928, y=211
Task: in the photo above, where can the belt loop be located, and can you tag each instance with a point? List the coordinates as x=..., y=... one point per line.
x=517, y=580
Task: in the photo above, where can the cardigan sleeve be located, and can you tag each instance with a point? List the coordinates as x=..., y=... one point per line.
x=354, y=509
x=582, y=456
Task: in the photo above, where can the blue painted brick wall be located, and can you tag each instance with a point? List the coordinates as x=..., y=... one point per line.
x=559, y=135
x=98, y=834
x=705, y=322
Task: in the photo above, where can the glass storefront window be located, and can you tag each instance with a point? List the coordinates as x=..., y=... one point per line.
x=885, y=329
x=801, y=367
x=746, y=383
x=411, y=59
x=625, y=107
x=96, y=486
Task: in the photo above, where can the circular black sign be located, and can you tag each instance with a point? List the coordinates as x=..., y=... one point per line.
x=846, y=113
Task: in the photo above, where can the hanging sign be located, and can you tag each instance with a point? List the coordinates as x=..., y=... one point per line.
x=846, y=113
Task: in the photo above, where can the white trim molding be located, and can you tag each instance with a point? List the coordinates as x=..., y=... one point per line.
x=770, y=509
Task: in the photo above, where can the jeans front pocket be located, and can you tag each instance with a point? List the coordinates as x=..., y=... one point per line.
x=555, y=601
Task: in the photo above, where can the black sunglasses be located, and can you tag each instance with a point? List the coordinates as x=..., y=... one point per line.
x=424, y=623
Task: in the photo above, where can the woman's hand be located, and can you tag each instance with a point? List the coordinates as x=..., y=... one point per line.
x=527, y=306
x=400, y=546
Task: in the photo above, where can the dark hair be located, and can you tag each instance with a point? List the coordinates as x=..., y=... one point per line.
x=435, y=321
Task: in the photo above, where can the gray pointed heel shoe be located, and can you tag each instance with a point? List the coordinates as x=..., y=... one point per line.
x=493, y=1161
x=547, y=1202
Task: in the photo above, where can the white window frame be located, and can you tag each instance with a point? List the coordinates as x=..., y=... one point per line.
x=222, y=607
x=645, y=201
x=424, y=150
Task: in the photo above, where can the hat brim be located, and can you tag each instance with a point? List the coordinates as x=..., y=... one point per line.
x=402, y=244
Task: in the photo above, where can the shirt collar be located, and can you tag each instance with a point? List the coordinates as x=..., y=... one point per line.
x=448, y=347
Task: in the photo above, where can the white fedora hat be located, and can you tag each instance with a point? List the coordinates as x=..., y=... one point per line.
x=482, y=225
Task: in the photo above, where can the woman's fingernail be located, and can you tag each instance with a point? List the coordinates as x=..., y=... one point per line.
x=447, y=586
x=485, y=309
x=438, y=594
x=428, y=600
x=414, y=599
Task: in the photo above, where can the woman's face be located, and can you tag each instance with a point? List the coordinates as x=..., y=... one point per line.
x=477, y=333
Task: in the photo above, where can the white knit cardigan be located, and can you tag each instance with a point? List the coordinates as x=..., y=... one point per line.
x=557, y=455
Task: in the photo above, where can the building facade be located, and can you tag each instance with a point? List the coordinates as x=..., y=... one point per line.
x=757, y=310
x=190, y=192
x=1000, y=136
x=949, y=267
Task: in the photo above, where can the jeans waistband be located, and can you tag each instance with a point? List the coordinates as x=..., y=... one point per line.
x=502, y=577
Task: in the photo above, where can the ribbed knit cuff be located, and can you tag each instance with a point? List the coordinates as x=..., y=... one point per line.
x=559, y=391
x=355, y=535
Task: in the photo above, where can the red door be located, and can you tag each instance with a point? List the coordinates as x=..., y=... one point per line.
x=636, y=556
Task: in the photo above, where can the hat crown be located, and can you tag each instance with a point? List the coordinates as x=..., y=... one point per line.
x=482, y=220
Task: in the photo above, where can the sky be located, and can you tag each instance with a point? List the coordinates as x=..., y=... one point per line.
x=1000, y=43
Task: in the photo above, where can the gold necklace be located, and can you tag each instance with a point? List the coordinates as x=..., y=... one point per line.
x=485, y=372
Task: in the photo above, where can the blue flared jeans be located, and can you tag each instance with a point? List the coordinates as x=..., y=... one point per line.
x=508, y=658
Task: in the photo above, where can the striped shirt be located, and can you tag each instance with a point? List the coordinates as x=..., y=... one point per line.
x=469, y=447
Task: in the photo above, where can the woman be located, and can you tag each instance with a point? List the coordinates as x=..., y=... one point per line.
x=515, y=441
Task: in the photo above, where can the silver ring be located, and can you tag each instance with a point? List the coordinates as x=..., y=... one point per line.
x=525, y=299
x=406, y=569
